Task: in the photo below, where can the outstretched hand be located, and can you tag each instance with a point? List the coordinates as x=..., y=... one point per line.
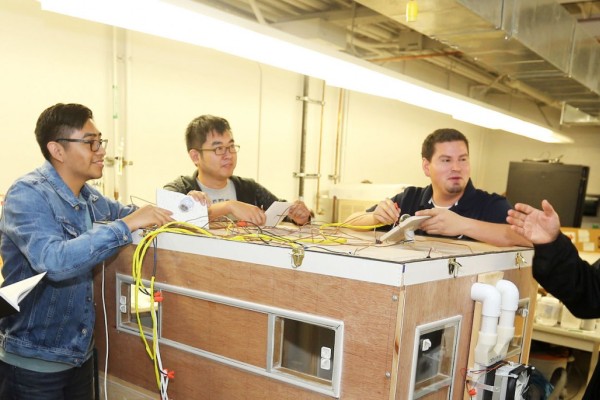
x=538, y=226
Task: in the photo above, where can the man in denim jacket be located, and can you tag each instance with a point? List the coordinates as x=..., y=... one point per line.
x=46, y=226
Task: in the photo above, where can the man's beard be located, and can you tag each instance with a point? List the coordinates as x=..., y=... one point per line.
x=455, y=189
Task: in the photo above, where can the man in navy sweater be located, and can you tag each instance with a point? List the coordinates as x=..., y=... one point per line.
x=455, y=207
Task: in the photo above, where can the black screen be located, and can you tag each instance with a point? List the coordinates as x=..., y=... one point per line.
x=562, y=185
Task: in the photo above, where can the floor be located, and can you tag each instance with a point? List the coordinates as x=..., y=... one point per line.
x=577, y=375
x=118, y=389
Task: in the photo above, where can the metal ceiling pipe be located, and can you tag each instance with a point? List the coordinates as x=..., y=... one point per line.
x=536, y=94
x=278, y=7
x=257, y=12
x=303, y=134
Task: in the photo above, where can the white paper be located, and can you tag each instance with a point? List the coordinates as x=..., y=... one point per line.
x=183, y=207
x=276, y=212
x=398, y=233
x=15, y=292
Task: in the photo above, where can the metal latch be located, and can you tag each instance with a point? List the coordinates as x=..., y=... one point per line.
x=297, y=256
x=519, y=260
x=453, y=267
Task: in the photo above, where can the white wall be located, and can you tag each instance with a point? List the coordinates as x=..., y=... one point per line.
x=45, y=61
x=162, y=85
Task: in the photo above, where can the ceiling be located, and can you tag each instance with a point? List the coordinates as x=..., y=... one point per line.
x=543, y=51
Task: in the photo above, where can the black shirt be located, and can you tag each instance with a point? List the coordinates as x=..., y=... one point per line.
x=474, y=203
x=559, y=269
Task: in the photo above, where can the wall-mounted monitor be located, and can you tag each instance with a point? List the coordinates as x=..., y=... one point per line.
x=563, y=185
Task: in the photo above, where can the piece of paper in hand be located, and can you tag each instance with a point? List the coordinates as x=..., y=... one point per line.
x=183, y=207
x=276, y=212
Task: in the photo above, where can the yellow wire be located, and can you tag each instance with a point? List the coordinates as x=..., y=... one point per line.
x=138, y=258
x=190, y=229
x=346, y=225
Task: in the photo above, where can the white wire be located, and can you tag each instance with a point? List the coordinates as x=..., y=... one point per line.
x=105, y=337
x=164, y=378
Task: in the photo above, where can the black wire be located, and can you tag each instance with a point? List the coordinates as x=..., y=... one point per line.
x=131, y=198
x=327, y=249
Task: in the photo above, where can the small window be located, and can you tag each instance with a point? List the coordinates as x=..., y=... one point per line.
x=304, y=350
x=434, y=356
x=128, y=312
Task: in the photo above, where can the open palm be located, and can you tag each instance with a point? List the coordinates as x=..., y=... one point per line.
x=538, y=226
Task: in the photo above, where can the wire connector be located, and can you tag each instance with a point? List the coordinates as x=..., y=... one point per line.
x=169, y=374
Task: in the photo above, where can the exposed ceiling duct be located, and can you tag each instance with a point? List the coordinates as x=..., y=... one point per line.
x=536, y=42
x=546, y=52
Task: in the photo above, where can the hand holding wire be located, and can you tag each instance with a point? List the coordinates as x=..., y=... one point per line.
x=247, y=212
x=299, y=213
x=146, y=216
x=387, y=212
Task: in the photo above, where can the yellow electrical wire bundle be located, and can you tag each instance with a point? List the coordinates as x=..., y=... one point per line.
x=138, y=259
x=261, y=236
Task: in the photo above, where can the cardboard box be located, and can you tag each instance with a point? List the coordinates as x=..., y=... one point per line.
x=584, y=239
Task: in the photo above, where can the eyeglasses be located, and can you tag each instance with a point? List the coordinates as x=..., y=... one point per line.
x=95, y=144
x=220, y=150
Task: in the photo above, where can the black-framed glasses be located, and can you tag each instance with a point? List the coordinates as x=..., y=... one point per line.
x=220, y=150
x=95, y=144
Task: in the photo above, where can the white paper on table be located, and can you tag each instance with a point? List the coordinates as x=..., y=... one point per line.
x=277, y=212
x=183, y=207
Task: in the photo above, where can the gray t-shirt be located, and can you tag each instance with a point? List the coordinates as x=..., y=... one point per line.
x=220, y=195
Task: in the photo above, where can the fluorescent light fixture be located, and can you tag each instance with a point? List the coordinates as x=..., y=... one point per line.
x=194, y=23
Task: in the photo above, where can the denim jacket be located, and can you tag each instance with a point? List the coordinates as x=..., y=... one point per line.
x=44, y=228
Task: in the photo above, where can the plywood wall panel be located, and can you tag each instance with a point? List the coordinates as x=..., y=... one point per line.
x=369, y=312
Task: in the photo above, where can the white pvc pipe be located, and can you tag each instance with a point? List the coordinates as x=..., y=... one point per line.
x=488, y=324
x=510, y=302
x=489, y=296
x=506, y=325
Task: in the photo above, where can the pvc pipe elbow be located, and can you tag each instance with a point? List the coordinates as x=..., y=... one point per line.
x=510, y=302
x=489, y=296
x=509, y=293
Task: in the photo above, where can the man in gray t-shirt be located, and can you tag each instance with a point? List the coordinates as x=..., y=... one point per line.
x=213, y=150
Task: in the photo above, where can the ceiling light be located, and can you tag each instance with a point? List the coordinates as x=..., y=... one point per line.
x=412, y=10
x=194, y=23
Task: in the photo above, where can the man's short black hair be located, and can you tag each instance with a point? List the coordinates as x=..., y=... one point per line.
x=60, y=121
x=441, y=136
x=200, y=127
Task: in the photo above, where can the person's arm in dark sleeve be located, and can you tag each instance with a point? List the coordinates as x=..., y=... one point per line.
x=559, y=269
